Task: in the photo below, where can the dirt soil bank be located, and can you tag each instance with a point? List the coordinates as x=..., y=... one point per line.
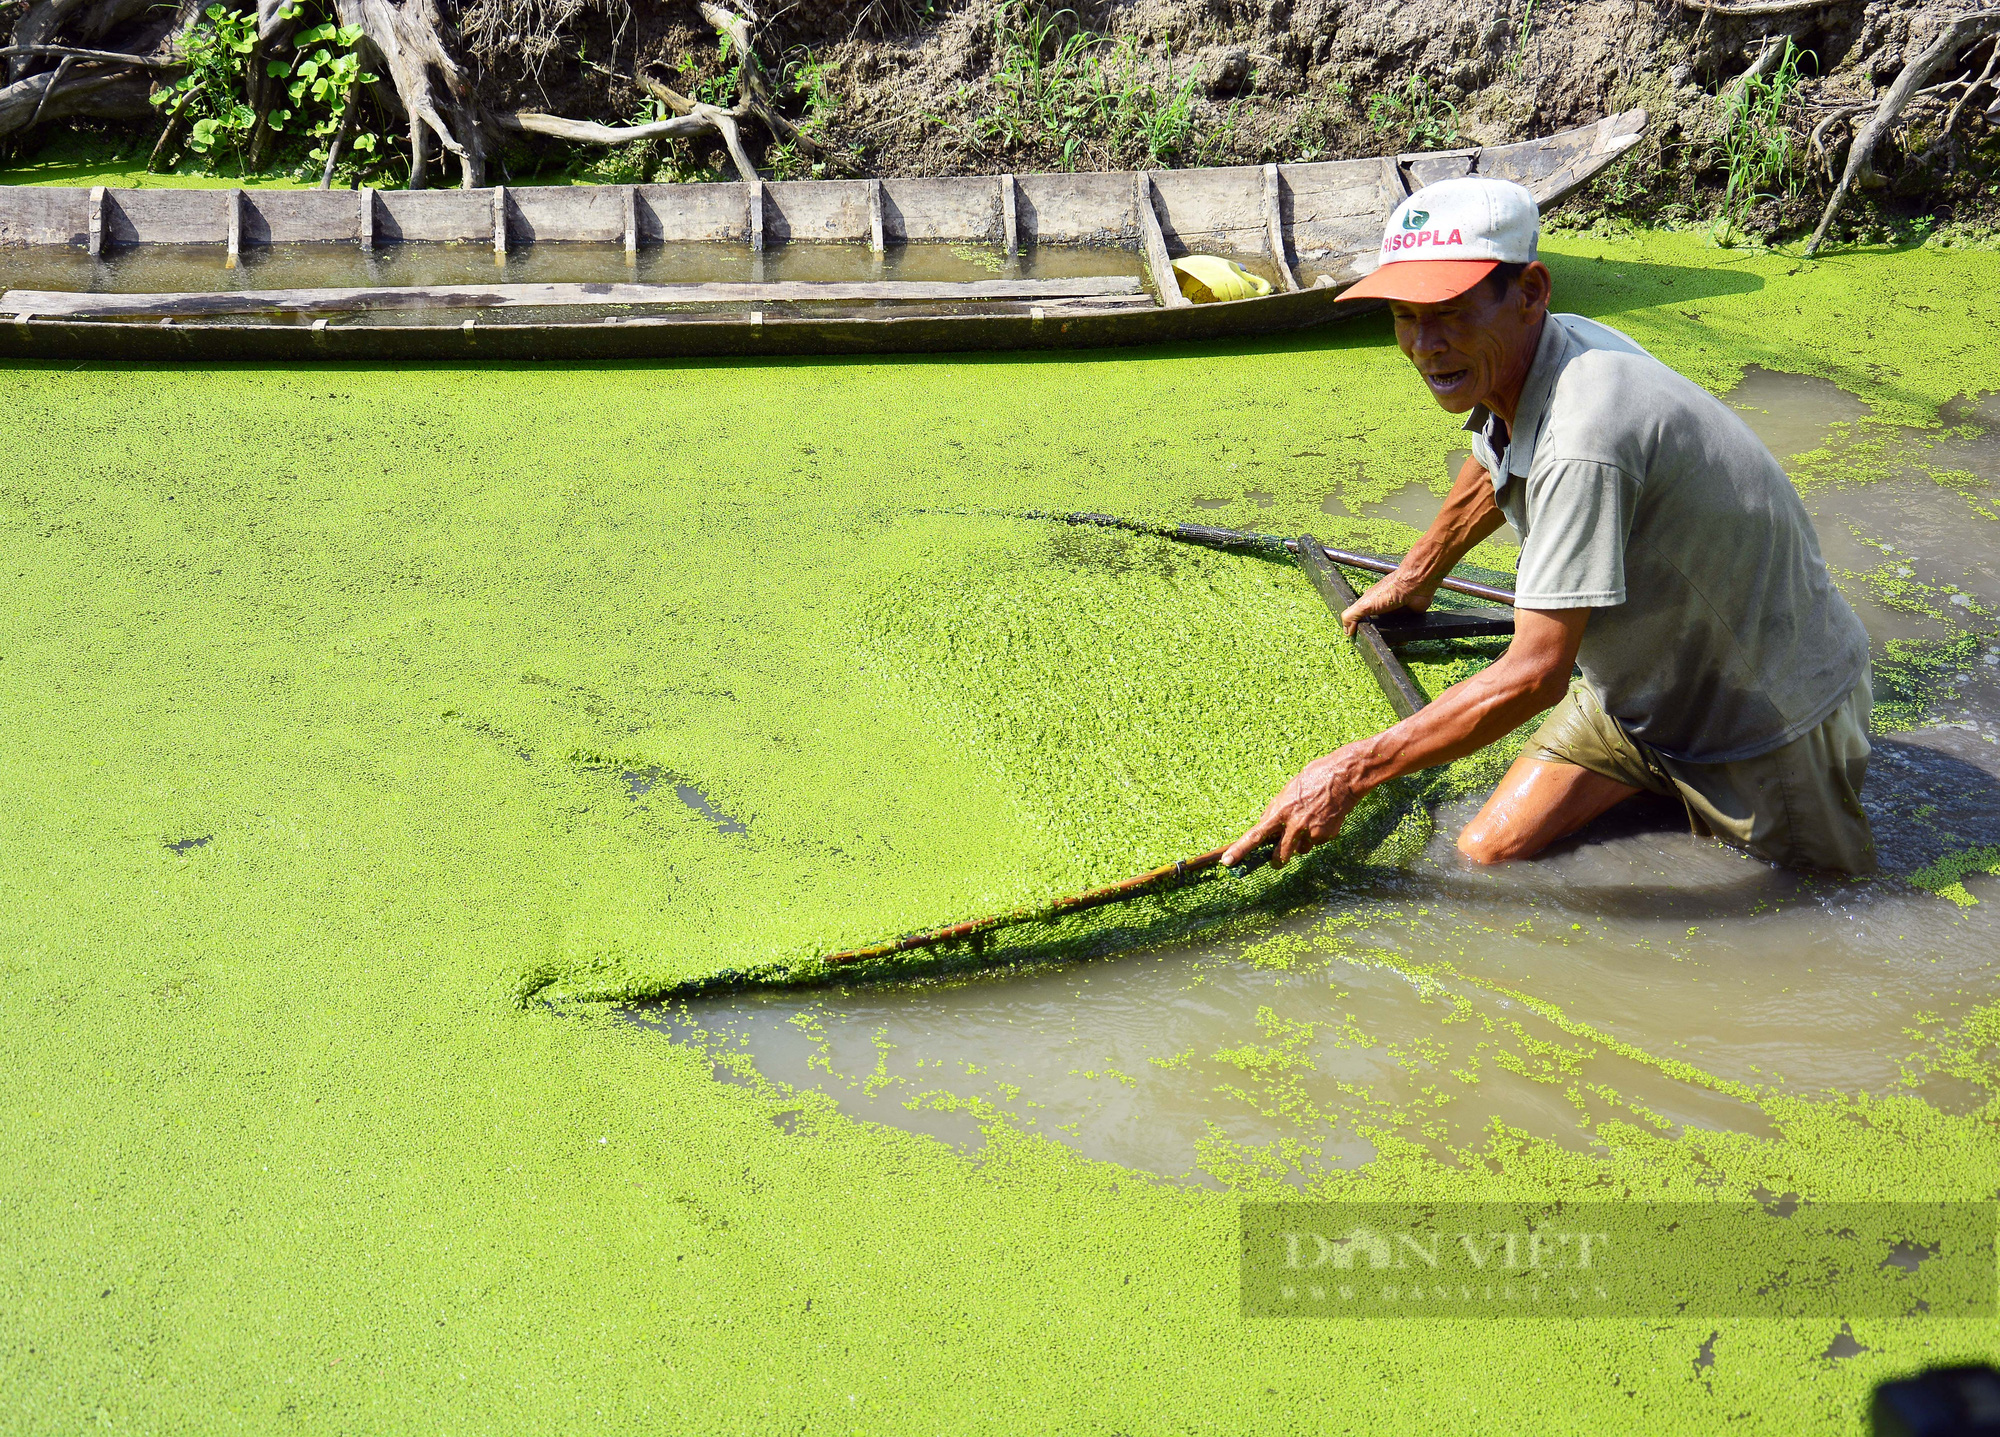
x=1756, y=105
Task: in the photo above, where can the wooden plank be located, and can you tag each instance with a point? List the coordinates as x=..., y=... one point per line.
x=1153, y=245
x=1427, y=167
x=1394, y=181
x=508, y=296
x=952, y=208
x=1396, y=683
x=1330, y=211
x=875, y=216
x=96, y=220
x=680, y=214
x=366, y=222
x=282, y=217
x=753, y=199
x=1075, y=209
x=577, y=214
x=44, y=215
x=631, y=222
x=1274, y=221
x=499, y=219
x=145, y=216
x=454, y=215
x=232, y=223
x=665, y=333
x=836, y=210
x=1211, y=211
x=1010, y=225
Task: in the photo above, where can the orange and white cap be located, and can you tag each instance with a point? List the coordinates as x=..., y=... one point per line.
x=1447, y=237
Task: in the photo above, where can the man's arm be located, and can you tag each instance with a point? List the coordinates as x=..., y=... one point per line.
x=1469, y=514
x=1531, y=676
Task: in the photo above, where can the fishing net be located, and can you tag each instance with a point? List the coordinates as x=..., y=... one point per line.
x=986, y=712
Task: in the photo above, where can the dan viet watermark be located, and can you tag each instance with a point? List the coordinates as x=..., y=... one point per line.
x=1619, y=1259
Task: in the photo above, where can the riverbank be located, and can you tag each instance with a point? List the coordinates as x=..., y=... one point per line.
x=347, y=706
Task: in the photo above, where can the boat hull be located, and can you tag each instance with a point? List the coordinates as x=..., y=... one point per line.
x=1314, y=225
x=669, y=337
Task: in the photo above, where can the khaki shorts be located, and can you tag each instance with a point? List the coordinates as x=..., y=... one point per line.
x=1799, y=805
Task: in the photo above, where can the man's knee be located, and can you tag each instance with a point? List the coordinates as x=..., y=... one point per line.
x=1485, y=843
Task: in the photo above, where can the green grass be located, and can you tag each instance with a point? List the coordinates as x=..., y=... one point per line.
x=278, y=1147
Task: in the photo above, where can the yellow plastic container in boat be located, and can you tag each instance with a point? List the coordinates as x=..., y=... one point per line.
x=1205, y=278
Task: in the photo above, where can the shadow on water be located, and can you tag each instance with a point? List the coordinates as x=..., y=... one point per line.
x=1601, y=286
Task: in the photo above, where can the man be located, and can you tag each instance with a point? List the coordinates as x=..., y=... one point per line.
x=1663, y=551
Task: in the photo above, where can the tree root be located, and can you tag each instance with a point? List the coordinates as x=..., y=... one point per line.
x=755, y=100
x=412, y=39
x=98, y=94
x=1963, y=31
x=433, y=91
x=1985, y=78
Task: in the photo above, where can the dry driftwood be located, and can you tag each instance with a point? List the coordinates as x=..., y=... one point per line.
x=1953, y=38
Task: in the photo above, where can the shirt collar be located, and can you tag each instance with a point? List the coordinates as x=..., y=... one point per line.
x=1551, y=352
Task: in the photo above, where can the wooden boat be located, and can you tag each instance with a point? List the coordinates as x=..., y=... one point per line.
x=1311, y=228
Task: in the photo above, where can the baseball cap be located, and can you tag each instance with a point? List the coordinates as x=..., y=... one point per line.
x=1447, y=237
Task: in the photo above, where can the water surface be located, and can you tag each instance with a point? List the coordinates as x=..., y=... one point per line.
x=1409, y=1008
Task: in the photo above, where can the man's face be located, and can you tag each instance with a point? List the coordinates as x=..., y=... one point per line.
x=1478, y=344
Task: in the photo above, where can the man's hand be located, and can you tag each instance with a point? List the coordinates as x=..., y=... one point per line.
x=1395, y=591
x=1306, y=813
x=1529, y=677
x=1469, y=514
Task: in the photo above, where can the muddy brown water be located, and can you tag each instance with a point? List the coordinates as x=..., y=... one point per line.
x=1420, y=1016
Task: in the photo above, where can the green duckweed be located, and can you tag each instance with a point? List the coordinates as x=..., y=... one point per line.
x=347, y=708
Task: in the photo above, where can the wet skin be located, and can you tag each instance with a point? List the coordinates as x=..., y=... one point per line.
x=1473, y=349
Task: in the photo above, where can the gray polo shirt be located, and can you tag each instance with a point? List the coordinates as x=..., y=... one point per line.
x=1717, y=634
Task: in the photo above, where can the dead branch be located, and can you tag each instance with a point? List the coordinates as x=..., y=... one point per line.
x=1954, y=37
x=168, y=133
x=55, y=83
x=589, y=132
x=1757, y=7
x=1818, y=137
x=1767, y=61
x=701, y=119
x=348, y=107
x=755, y=100
x=72, y=52
x=38, y=26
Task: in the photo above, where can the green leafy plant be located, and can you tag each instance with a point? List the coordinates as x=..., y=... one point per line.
x=1064, y=87
x=1517, y=58
x=316, y=83
x=804, y=79
x=319, y=80
x=1427, y=121
x=719, y=89
x=1757, y=145
x=208, y=97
